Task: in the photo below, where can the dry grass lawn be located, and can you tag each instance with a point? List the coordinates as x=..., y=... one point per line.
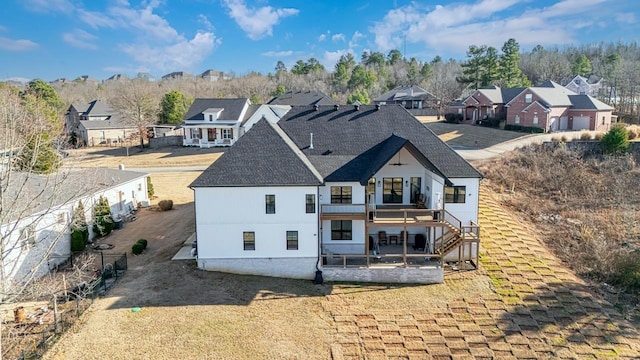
x=167, y=156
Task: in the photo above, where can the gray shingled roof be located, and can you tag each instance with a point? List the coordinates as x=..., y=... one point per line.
x=342, y=135
x=232, y=108
x=263, y=156
x=586, y=102
x=98, y=108
x=114, y=122
x=48, y=191
x=302, y=98
x=404, y=92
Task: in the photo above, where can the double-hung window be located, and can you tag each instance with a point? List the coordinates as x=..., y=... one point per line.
x=310, y=200
x=249, y=240
x=292, y=240
x=270, y=204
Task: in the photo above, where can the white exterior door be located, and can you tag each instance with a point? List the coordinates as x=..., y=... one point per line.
x=581, y=123
x=554, y=123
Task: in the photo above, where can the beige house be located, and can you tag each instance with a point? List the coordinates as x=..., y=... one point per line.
x=98, y=124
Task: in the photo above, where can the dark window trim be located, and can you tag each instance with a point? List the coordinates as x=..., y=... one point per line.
x=292, y=240
x=249, y=244
x=270, y=203
x=310, y=203
x=457, y=196
x=342, y=232
x=342, y=197
x=396, y=188
x=415, y=188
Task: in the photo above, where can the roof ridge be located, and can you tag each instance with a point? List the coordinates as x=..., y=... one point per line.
x=287, y=140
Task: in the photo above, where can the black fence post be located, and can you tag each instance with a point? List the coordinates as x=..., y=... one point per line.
x=102, y=260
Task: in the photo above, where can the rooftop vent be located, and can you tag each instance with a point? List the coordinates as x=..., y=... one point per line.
x=377, y=106
x=336, y=107
x=311, y=140
x=315, y=107
x=357, y=107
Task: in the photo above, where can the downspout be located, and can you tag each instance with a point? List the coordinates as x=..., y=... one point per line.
x=318, y=279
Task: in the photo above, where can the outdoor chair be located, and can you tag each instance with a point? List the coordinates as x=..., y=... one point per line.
x=382, y=237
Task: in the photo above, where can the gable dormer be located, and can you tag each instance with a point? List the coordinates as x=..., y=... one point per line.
x=212, y=114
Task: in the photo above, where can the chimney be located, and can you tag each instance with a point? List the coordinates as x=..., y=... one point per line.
x=310, y=141
x=336, y=107
x=315, y=107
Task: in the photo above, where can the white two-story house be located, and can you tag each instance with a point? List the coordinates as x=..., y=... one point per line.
x=360, y=193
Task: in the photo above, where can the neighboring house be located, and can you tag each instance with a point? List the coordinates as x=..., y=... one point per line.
x=548, y=106
x=37, y=235
x=212, y=75
x=116, y=77
x=214, y=122
x=145, y=76
x=413, y=98
x=302, y=98
x=322, y=188
x=585, y=86
x=97, y=123
x=177, y=75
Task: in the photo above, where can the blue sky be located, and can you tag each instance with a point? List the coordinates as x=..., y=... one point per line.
x=50, y=39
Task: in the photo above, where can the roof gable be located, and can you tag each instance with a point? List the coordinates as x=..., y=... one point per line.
x=344, y=134
x=301, y=98
x=233, y=109
x=263, y=156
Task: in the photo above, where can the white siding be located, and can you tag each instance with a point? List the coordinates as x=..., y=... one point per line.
x=469, y=210
x=223, y=214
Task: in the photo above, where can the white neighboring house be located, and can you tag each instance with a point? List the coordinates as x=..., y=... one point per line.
x=36, y=237
x=349, y=191
x=214, y=122
x=221, y=122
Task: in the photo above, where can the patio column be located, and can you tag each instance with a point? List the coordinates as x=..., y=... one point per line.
x=404, y=242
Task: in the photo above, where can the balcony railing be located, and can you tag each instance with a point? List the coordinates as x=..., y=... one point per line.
x=343, y=208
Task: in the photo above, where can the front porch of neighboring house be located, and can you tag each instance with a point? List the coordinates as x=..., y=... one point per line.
x=206, y=137
x=402, y=243
x=472, y=114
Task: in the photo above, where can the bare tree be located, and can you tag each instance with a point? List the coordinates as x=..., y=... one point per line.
x=443, y=84
x=137, y=101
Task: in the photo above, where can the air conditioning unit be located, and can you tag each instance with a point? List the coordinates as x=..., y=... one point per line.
x=144, y=203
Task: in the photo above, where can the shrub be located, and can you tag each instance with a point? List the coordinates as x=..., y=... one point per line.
x=150, y=190
x=77, y=241
x=585, y=135
x=627, y=272
x=598, y=136
x=452, y=118
x=633, y=132
x=527, y=129
x=616, y=141
x=137, y=249
x=142, y=242
x=165, y=205
x=102, y=220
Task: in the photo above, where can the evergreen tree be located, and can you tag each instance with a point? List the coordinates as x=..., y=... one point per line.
x=360, y=96
x=361, y=78
x=173, y=107
x=490, y=67
x=102, y=220
x=582, y=66
x=39, y=155
x=472, y=69
x=512, y=75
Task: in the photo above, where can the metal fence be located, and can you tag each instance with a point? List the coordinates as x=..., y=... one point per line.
x=37, y=326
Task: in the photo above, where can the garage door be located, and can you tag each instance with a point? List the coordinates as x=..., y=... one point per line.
x=564, y=123
x=580, y=123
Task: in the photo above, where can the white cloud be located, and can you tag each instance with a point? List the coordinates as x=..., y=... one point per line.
x=154, y=43
x=80, y=39
x=452, y=28
x=322, y=37
x=278, y=53
x=16, y=44
x=180, y=55
x=628, y=18
x=338, y=37
x=330, y=58
x=354, y=39
x=256, y=22
x=43, y=6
